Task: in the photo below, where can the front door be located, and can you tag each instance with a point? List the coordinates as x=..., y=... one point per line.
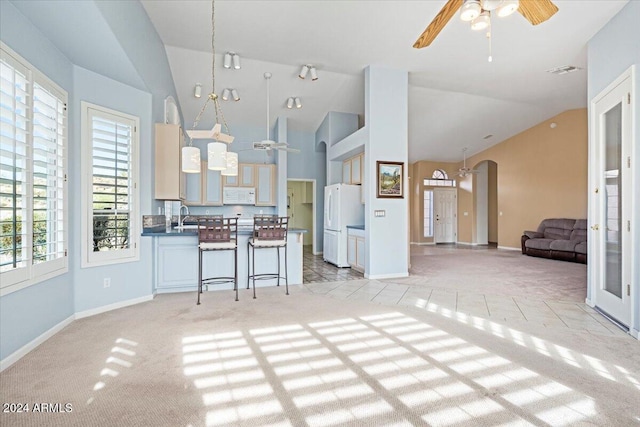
x=611, y=209
x=445, y=206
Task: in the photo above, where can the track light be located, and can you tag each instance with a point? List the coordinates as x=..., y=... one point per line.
x=298, y=102
x=303, y=71
x=290, y=103
x=236, y=61
x=235, y=95
x=227, y=60
x=225, y=94
x=314, y=74
x=198, y=90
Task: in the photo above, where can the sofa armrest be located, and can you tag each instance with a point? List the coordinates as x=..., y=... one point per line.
x=533, y=234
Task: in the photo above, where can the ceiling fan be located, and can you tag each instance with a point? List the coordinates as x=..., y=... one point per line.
x=479, y=11
x=464, y=171
x=269, y=145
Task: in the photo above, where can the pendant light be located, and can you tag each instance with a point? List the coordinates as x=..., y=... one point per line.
x=216, y=151
x=232, y=165
x=190, y=159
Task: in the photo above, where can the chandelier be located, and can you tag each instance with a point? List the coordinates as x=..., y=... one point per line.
x=218, y=157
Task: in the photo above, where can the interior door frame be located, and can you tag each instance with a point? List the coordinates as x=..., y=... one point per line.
x=595, y=207
x=453, y=190
x=314, y=247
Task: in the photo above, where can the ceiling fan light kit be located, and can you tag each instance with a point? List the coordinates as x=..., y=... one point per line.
x=482, y=22
x=470, y=10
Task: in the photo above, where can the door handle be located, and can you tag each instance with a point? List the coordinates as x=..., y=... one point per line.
x=595, y=227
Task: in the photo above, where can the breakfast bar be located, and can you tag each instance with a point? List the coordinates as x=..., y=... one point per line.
x=175, y=260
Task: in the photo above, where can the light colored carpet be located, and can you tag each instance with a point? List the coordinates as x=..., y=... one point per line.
x=310, y=360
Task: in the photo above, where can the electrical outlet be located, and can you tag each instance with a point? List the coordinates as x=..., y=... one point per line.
x=106, y=282
x=207, y=212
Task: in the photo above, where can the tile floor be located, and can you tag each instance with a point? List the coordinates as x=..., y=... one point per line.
x=314, y=269
x=323, y=278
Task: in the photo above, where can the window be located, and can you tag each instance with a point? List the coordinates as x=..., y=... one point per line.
x=110, y=190
x=33, y=162
x=428, y=213
x=439, y=178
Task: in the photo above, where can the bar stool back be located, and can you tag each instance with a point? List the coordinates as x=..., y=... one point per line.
x=269, y=231
x=216, y=233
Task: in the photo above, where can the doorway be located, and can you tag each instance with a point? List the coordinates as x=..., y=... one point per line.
x=610, y=209
x=485, y=197
x=301, y=209
x=445, y=206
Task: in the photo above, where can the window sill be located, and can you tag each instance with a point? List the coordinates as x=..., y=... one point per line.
x=14, y=287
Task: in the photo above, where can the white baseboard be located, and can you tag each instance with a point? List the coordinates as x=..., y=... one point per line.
x=385, y=276
x=635, y=333
x=422, y=243
x=317, y=253
x=464, y=243
x=22, y=351
x=589, y=302
x=509, y=248
x=114, y=306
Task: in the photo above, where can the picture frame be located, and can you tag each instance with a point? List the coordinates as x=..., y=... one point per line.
x=390, y=180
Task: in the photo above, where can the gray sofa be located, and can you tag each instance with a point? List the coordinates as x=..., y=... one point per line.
x=558, y=238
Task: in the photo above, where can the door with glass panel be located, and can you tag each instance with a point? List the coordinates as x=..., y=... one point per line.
x=610, y=170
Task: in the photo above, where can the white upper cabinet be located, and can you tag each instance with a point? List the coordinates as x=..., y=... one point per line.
x=266, y=185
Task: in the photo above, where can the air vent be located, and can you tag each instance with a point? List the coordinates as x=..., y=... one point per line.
x=488, y=136
x=564, y=70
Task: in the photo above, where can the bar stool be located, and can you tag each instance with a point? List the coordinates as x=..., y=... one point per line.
x=269, y=231
x=217, y=234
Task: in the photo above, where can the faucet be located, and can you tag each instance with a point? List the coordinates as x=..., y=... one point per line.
x=180, y=217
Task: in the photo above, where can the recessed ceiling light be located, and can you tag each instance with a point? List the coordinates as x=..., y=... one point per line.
x=564, y=69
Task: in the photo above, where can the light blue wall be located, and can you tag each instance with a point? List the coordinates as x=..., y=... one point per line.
x=131, y=280
x=120, y=63
x=40, y=307
x=611, y=52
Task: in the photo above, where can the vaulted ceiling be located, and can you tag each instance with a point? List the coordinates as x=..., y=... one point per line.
x=456, y=97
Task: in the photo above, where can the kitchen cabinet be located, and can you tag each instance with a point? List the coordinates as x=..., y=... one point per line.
x=265, y=176
x=352, y=170
x=346, y=171
x=355, y=249
x=170, y=181
x=204, y=188
x=245, y=178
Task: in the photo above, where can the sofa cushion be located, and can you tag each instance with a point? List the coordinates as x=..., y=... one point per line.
x=579, y=231
x=533, y=234
x=563, y=245
x=557, y=228
x=543, y=244
x=581, y=248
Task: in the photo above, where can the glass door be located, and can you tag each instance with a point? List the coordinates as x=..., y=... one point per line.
x=611, y=207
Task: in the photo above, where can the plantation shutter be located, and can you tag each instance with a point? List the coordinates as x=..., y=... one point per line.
x=49, y=174
x=14, y=172
x=112, y=183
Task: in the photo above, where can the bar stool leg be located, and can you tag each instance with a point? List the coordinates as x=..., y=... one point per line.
x=278, y=251
x=235, y=272
x=253, y=261
x=286, y=271
x=199, y=274
x=248, y=266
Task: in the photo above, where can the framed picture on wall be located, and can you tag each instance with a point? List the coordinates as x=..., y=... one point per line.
x=390, y=182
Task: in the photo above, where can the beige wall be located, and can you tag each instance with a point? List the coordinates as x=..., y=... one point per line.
x=541, y=173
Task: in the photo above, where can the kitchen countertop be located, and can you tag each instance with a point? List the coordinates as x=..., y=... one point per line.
x=356, y=227
x=162, y=231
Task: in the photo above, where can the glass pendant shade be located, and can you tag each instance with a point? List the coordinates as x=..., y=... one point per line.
x=190, y=159
x=482, y=22
x=217, y=156
x=232, y=165
x=470, y=10
x=507, y=8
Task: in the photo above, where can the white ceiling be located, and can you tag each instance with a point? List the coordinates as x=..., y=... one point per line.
x=456, y=96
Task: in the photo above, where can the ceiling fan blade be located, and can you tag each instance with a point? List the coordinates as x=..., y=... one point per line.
x=537, y=11
x=437, y=24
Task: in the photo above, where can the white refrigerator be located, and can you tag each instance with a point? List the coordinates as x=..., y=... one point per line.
x=342, y=207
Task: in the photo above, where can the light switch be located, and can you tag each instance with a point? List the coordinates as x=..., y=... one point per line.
x=379, y=213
